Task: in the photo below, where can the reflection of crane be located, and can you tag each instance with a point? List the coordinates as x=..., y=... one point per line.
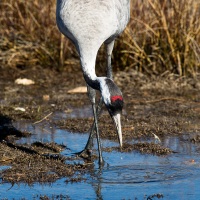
x=89, y=24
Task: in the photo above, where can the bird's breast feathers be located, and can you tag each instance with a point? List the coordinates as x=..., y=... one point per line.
x=86, y=18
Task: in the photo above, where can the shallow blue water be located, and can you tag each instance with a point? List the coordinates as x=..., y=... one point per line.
x=125, y=175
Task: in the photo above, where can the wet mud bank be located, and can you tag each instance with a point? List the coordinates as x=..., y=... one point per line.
x=43, y=125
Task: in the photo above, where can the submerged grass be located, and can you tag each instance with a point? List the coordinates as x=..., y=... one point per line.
x=161, y=36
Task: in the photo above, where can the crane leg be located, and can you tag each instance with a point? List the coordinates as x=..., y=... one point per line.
x=109, y=49
x=97, y=134
x=89, y=144
x=91, y=93
x=86, y=152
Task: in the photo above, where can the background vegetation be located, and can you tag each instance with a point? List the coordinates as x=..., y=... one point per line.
x=163, y=35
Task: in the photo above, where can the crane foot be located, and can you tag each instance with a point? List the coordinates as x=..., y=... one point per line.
x=85, y=154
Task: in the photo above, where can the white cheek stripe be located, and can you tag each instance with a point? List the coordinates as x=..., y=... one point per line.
x=104, y=90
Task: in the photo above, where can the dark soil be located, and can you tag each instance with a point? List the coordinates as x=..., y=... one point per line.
x=164, y=105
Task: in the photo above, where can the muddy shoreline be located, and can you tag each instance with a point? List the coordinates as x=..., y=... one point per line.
x=164, y=105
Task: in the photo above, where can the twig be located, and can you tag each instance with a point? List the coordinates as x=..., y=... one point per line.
x=164, y=99
x=43, y=118
x=156, y=138
x=158, y=100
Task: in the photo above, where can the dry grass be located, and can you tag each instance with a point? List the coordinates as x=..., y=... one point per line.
x=29, y=35
x=163, y=35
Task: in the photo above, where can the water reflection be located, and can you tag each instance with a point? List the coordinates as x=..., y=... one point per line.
x=83, y=112
x=124, y=176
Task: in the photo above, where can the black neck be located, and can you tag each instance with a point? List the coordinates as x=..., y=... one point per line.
x=93, y=83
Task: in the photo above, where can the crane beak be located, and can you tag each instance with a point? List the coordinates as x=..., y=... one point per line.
x=117, y=121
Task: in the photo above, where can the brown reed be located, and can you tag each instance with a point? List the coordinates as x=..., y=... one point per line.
x=163, y=35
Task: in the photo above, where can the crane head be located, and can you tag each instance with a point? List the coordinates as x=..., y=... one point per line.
x=115, y=111
x=113, y=100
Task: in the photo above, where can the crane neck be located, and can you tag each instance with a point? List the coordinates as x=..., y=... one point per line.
x=92, y=81
x=88, y=61
x=101, y=84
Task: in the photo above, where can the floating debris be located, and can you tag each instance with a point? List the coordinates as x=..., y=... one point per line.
x=20, y=109
x=46, y=97
x=78, y=90
x=24, y=81
x=195, y=139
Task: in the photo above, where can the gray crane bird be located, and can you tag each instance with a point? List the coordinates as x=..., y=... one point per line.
x=89, y=24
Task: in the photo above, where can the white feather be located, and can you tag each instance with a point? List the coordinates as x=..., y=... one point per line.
x=90, y=23
x=104, y=90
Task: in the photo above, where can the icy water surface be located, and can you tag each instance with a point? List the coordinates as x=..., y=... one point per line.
x=125, y=175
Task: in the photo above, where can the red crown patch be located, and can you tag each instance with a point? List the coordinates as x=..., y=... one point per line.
x=114, y=98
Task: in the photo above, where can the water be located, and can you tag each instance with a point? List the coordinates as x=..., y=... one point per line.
x=125, y=175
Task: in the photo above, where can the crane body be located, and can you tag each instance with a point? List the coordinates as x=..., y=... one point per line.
x=89, y=24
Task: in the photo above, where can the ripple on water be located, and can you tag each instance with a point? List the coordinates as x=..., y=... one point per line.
x=125, y=175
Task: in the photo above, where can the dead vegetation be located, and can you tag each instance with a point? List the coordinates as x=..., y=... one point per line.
x=142, y=147
x=32, y=164
x=161, y=36
x=151, y=108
